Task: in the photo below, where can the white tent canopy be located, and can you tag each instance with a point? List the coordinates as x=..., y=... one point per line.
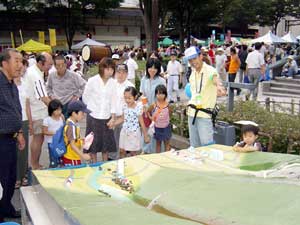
x=269, y=38
x=290, y=38
x=87, y=41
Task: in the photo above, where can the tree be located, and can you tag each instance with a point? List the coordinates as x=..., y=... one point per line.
x=271, y=12
x=14, y=7
x=146, y=8
x=73, y=12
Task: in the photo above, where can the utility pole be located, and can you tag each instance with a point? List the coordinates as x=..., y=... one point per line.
x=154, y=24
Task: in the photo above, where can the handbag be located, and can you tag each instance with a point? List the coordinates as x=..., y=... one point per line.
x=147, y=120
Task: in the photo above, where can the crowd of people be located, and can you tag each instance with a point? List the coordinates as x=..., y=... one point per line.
x=41, y=93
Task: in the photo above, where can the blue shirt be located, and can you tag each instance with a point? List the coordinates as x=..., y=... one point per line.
x=10, y=107
x=148, y=87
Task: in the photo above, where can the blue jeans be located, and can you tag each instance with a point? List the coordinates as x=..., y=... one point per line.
x=289, y=73
x=54, y=162
x=201, y=133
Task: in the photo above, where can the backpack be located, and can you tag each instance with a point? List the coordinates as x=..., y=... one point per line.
x=58, y=146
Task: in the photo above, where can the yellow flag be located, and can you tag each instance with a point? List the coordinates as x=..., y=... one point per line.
x=52, y=35
x=41, y=36
x=12, y=39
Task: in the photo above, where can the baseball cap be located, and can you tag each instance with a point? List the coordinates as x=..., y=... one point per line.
x=220, y=50
x=192, y=52
x=122, y=67
x=115, y=56
x=77, y=105
x=290, y=57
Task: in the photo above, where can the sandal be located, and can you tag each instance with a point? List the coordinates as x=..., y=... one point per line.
x=17, y=184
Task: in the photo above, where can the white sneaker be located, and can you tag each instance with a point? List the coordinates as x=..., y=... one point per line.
x=289, y=77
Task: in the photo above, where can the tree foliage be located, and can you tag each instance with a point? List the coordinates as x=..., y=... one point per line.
x=73, y=12
x=271, y=12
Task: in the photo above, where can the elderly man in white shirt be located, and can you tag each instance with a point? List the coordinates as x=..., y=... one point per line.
x=132, y=67
x=122, y=84
x=38, y=100
x=255, y=67
x=100, y=97
x=174, y=71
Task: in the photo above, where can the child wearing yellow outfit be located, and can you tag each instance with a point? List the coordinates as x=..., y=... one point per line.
x=74, y=154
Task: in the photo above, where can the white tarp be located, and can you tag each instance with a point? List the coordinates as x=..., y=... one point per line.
x=269, y=38
x=87, y=41
x=290, y=38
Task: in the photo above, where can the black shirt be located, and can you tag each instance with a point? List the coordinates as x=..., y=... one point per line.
x=10, y=107
x=243, y=56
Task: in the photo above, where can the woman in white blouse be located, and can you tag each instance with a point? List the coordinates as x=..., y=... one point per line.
x=100, y=97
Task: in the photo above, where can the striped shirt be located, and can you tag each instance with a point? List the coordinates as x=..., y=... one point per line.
x=36, y=90
x=10, y=107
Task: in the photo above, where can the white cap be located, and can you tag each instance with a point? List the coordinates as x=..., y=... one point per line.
x=115, y=56
x=192, y=52
x=220, y=49
x=290, y=57
x=246, y=122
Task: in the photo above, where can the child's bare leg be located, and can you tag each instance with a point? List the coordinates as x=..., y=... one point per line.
x=94, y=157
x=167, y=145
x=104, y=156
x=122, y=153
x=158, y=146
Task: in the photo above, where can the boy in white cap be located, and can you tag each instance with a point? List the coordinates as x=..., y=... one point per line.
x=205, y=87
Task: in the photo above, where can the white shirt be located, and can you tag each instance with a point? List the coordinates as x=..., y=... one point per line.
x=120, y=96
x=36, y=90
x=100, y=98
x=132, y=67
x=220, y=60
x=263, y=50
x=31, y=62
x=255, y=60
x=23, y=95
x=52, y=125
x=174, y=68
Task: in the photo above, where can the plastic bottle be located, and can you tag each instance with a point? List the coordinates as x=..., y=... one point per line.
x=88, y=141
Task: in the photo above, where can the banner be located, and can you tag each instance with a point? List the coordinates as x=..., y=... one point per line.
x=52, y=36
x=41, y=36
x=12, y=40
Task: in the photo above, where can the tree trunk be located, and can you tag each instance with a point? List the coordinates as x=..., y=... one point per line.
x=154, y=24
x=275, y=26
x=146, y=9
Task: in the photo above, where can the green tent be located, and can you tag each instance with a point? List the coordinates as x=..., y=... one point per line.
x=167, y=41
